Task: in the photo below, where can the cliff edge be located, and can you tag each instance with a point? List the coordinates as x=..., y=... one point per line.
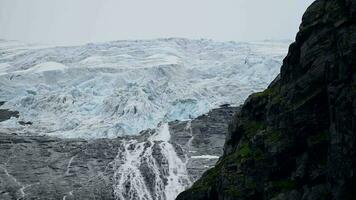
x=296, y=139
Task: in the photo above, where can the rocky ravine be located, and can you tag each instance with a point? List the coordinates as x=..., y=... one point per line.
x=296, y=140
x=168, y=159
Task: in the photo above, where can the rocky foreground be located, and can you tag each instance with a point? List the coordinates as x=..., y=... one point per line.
x=296, y=140
x=42, y=167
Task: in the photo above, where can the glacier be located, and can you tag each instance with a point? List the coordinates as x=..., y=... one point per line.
x=120, y=88
x=153, y=105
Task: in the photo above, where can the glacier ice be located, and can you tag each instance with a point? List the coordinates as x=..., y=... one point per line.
x=123, y=87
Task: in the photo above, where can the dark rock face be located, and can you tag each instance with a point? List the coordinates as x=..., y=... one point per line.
x=296, y=140
x=204, y=135
x=38, y=167
x=6, y=114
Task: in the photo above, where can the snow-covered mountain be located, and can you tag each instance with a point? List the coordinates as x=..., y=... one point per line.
x=120, y=88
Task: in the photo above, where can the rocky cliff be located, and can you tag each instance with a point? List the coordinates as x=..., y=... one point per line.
x=296, y=139
x=158, y=164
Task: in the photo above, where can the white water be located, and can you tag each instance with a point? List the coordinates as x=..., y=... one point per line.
x=168, y=175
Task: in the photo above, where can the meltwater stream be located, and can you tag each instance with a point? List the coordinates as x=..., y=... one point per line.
x=150, y=170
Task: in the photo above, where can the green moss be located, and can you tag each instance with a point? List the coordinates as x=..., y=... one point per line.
x=267, y=92
x=319, y=138
x=273, y=136
x=284, y=184
x=323, y=161
x=233, y=192
x=250, y=184
x=257, y=154
x=276, y=99
x=208, y=179
x=244, y=151
x=258, y=94
x=353, y=87
x=252, y=127
x=304, y=100
x=271, y=93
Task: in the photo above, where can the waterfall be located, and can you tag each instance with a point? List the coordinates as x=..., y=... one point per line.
x=150, y=170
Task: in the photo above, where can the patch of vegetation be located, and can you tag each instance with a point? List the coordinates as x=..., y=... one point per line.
x=276, y=99
x=233, y=192
x=266, y=92
x=284, y=184
x=228, y=167
x=257, y=154
x=208, y=179
x=273, y=136
x=271, y=93
x=322, y=161
x=258, y=94
x=252, y=127
x=249, y=183
x=319, y=138
x=353, y=87
x=244, y=151
x=303, y=101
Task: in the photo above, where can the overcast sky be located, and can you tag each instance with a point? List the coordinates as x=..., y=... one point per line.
x=81, y=21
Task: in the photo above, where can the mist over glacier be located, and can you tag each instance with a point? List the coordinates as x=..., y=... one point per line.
x=112, y=89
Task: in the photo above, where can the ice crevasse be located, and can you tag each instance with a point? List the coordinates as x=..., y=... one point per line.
x=118, y=88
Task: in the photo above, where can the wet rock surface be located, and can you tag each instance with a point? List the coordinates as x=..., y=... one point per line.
x=6, y=114
x=201, y=139
x=163, y=162
x=42, y=167
x=296, y=140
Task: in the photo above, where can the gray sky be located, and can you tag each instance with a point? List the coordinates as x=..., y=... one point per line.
x=80, y=21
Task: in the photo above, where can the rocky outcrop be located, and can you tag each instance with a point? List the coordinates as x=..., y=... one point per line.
x=296, y=139
x=202, y=139
x=40, y=167
x=6, y=114
x=43, y=167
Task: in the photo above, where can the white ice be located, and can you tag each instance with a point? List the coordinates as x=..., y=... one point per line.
x=123, y=87
x=205, y=157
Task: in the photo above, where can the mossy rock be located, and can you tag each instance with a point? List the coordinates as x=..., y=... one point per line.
x=208, y=179
x=245, y=152
x=320, y=138
x=273, y=136
x=252, y=128
x=284, y=185
x=267, y=92
x=353, y=87
x=234, y=192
